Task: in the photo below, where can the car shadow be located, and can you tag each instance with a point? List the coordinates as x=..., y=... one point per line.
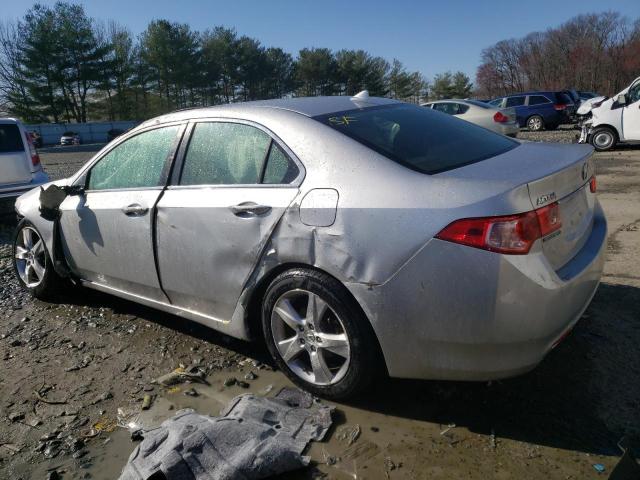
x=584, y=396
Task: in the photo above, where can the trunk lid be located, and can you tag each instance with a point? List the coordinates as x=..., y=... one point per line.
x=550, y=173
x=14, y=160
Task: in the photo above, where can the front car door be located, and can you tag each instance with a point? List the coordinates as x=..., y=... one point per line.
x=517, y=102
x=631, y=115
x=235, y=184
x=108, y=231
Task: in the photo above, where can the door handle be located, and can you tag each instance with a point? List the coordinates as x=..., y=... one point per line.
x=134, y=210
x=249, y=209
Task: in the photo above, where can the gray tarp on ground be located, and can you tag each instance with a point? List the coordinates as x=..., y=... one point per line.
x=255, y=437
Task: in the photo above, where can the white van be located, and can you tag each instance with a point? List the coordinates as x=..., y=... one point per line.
x=613, y=120
x=20, y=168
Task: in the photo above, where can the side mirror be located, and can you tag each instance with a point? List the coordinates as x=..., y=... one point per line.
x=74, y=190
x=621, y=99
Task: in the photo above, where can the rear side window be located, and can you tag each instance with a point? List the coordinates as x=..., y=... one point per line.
x=563, y=98
x=515, y=101
x=417, y=137
x=280, y=169
x=452, y=108
x=10, y=139
x=538, y=100
x=138, y=162
x=225, y=154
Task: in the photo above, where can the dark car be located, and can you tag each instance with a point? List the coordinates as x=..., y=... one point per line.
x=587, y=95
x=539, y=110
x=114, y=133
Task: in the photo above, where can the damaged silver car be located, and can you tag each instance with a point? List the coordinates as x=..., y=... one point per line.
x=353, y=234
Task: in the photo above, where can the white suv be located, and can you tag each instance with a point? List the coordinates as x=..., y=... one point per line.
x=613, y=120
x=20, y=168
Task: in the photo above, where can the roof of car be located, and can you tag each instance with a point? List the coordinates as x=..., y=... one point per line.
x=308, y=106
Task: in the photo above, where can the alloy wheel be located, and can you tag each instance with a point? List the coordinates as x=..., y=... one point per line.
x=30, y=257
x=535, y=124
x=310, y=337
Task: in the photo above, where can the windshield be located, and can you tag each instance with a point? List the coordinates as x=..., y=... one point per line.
x=419, y=138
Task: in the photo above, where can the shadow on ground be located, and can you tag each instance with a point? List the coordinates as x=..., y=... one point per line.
x=585, y=396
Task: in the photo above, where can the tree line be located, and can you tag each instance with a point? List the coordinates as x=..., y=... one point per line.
x=594, y=52
x=58, y=64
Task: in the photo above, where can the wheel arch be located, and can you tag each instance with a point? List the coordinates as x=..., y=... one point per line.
x=254, y=303
x=610, y=127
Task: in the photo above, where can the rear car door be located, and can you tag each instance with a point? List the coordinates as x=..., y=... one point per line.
x=631, y=114
x=108, y=231
x=14, y=162
x=214, y=221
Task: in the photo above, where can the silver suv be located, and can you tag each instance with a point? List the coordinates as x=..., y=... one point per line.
x=20, y=168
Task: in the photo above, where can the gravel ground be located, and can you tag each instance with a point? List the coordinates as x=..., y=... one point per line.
x=72, y=370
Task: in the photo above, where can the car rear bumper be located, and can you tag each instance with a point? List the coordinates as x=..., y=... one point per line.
x=13, y=191
x=459, y=313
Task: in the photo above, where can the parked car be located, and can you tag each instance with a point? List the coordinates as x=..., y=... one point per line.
x=609, y=121
x=36, y=138
x=487, y=116
x=70, y=138
x=20, y=168
x=114, y=133
x=538, y=110
x=355, y=236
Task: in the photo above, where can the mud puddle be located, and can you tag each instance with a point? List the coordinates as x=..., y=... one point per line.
x=362, y=443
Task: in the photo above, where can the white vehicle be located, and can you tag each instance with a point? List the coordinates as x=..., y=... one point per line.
x=499, y=120
x=20, y=168
x=613, y=120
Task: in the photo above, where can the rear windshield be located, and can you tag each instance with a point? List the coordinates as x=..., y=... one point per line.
x=10, y=139
x=478, y=103
x=419, y=138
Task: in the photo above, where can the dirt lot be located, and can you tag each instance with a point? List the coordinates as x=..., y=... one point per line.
x=68, y=368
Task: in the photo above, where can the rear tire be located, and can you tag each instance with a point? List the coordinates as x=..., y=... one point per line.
x=535, y=123
x=603, y=139
x=317, y=334
x=32, y=263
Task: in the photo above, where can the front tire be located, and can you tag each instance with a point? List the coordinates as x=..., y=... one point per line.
x=32, y=263
x=603, y=139
x=317, y=334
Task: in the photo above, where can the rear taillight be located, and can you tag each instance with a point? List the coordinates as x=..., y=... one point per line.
x=511, y=234
x=35, y=158
x=500, y=117
x=560, y=106
x=592, y=184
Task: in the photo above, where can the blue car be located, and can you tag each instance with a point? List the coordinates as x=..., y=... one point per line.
x=539, y=110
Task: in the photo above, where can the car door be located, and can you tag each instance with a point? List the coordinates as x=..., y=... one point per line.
x=214, y=221
x=631, y=114
x=107, y=232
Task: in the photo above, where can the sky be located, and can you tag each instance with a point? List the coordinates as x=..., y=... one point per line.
x=430, y=37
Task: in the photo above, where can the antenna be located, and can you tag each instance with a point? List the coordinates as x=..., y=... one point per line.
x=363, y=95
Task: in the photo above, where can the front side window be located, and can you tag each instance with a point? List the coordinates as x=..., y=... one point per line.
x=515, y=101
x=138, y=162
x=225, y=154
x=418, y=138
x=634, y=93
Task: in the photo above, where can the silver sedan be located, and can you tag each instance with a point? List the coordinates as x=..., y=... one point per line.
x=499, y=120
x=354, y=236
